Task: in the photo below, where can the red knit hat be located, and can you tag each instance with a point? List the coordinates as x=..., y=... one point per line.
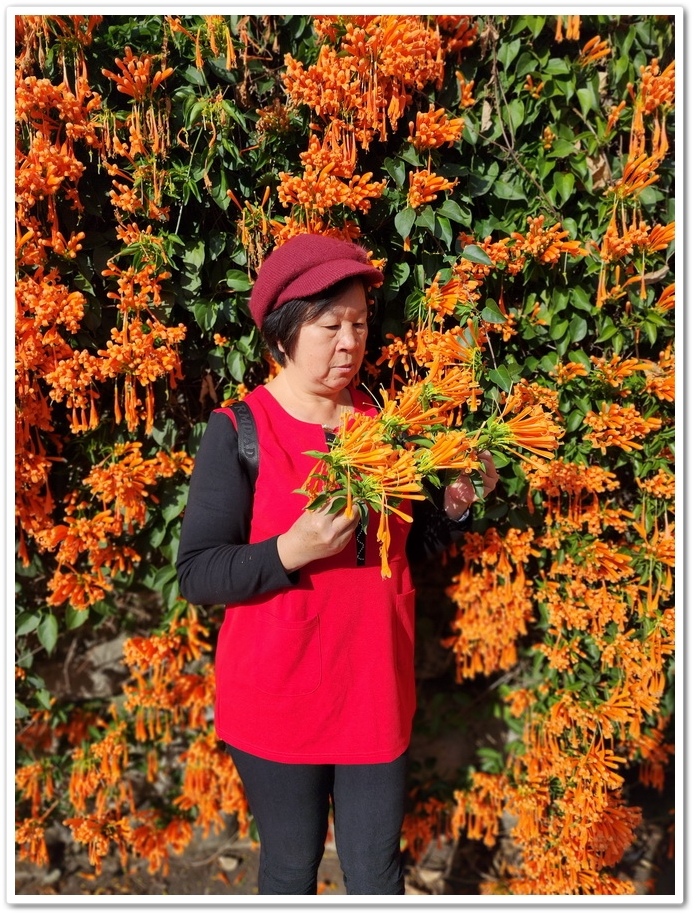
x=304, y=266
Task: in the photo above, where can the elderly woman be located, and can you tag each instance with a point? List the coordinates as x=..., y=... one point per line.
x=315, y=684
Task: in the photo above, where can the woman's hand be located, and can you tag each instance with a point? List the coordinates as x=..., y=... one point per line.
x=460, y=494
x=316, y=534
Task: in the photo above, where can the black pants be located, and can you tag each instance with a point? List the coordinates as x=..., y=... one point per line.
x=290, y=803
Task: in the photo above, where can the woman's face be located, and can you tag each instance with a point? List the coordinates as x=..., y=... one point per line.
x=329, y=349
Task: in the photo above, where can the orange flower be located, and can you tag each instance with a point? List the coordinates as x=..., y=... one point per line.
x=547, y=245
x=134, y=78
x=424, y=187
x=368, y=79
x=531, y=429
x=433, y=128
x=620, y=425
x=595, y=49
x=30, y=836
x=534, y=89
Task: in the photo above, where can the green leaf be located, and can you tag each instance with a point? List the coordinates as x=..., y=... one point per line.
x=194, y=75
x=574, y=420
x=492, y=313
x=579, y=356
x=558, y=328
x=607, y=333
x=557, y=67
x=75, y=617
x=508, y=51
x=443, y=230
x=426, y=218
x=589, y=101
x=27, y=622
x=564, y=183
x=578, y=329
x=451, y=210
x=561, y=149
x=400, y=271
x=238, y=280
x=548, y=362
x=47, y=631
x=397, y=170
x=43, y=698
x=205, y=314
x=194, y=254
x=500, y=377
x=476, y=255
x=173, y=500
x=404, y=220
x=21, y=711
x=237, y=365
x=508, y=190
x=218, y=189
x=516, y=112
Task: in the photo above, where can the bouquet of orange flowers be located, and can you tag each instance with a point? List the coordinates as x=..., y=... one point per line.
x=416, y=439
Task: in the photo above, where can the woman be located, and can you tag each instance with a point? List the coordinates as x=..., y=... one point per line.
x=315, y=686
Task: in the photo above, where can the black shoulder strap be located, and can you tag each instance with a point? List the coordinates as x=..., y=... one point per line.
x=248, y=440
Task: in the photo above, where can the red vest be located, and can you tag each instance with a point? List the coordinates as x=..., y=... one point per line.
x=321, y=671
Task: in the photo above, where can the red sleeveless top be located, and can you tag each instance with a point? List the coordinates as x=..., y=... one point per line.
x=322, y=671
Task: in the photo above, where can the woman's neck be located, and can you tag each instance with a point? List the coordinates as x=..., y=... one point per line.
x=310, y=406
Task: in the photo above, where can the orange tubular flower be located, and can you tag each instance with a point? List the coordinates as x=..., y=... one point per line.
x=667, y=300
x=30, y=836
x=595, y=49
x=451, y=450
x=327, y=182
x=134, y=78
x=621, y=425
x=372, y=73
x=547, y=245
x=460, y=32
x=532, y=428
x=442, y=300
x=433, y=129
x=424, y=187
x=639, y=173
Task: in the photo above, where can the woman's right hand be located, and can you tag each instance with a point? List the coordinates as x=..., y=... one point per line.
x=316, y=534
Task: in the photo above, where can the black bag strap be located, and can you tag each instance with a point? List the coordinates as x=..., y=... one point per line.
x=247, y=440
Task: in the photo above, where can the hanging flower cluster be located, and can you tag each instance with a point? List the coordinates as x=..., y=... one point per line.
x=170, y=688
x=364, y=79
x=655, y=96
x=88, y=549
x=367, y=82
x=573, y=745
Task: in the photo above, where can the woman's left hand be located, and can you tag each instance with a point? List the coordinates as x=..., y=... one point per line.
x=460, y=494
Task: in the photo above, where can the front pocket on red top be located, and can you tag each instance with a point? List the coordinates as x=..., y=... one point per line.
x=279, y=657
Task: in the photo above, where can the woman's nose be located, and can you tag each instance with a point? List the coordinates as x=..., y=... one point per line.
x=350, y=339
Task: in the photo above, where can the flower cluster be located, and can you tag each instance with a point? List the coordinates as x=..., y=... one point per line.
x=547, y=245
x=574, y=748
x=433, y=128
x=621, y=425
x=328, y=181
x=367, y=82
x=379, y=462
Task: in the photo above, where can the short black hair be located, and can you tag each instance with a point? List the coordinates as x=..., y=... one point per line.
x=281, y=327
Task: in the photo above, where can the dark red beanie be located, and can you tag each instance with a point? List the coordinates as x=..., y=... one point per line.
x=304, y=266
